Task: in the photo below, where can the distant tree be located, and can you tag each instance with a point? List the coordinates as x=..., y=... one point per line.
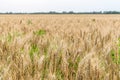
x=111, y=12
x=64, y=12
x=100, y=12
x=70, y=12
x=52, y=12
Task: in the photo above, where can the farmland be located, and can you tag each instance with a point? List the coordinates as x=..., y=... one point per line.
x=59, y=47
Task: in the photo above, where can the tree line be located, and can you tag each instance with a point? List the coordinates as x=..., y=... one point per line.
x=65, y=12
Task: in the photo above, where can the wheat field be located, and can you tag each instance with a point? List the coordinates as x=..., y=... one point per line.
x=59, y=47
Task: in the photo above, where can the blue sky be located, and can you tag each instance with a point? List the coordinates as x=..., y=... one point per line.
x=58, y=5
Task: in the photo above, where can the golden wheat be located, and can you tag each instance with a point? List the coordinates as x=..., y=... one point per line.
x=59, y=47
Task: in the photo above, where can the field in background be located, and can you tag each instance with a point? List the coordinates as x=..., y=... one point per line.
x=59, y=47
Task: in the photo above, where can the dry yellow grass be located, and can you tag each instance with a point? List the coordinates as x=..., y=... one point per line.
x=59, y=47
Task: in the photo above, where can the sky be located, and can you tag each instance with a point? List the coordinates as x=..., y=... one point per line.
x=58, y=5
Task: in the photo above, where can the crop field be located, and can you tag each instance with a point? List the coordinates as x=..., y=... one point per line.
x=59, y=47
